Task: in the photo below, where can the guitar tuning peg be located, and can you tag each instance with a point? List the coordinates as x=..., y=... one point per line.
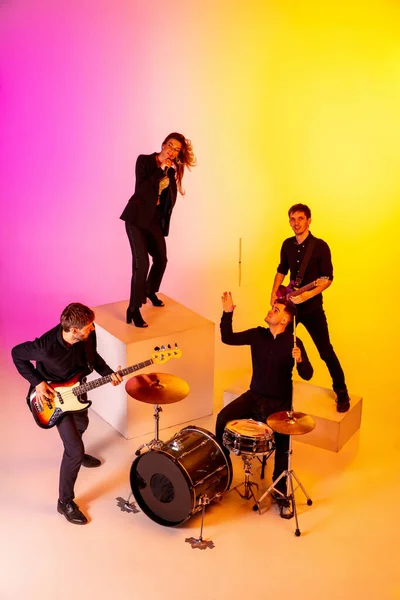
x=162, y=347
x=176, y=345
x=156, y=349
x=169, y=346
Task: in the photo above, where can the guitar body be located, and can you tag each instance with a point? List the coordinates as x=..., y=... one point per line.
x=64, y=402
x=285, y=291
x=290, y=290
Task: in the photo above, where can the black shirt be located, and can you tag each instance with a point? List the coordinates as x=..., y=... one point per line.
x=271, y=358
x=55, y=360
x=319, y=265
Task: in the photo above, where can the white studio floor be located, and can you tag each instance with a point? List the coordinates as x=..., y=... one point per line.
x=349, y=547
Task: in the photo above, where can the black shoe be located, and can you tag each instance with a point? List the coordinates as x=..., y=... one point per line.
x=342, y=401
x=133, y=314
x=71, y=512
x=90, y=461
x=155, y=300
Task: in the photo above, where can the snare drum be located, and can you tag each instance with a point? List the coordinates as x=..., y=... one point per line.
x=246, y=436
x=169, y=483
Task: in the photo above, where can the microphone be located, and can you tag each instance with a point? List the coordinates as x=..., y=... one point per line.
x=166, y=168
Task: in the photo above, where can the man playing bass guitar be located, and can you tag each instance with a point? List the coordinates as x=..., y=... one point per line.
x=309, y=261
x=67, y=349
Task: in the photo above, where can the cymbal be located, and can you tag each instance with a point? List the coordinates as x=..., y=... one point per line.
x=291, y=423
x=157, y=388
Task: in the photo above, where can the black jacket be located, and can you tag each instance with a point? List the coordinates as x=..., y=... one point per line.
x=142, y=205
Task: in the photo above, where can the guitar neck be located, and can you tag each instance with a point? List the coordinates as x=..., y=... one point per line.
x=305, y=288
x=91, y=385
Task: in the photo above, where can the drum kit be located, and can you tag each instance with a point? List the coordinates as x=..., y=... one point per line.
x=173, y=480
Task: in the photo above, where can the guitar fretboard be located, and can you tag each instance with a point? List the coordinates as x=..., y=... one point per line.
x=91, y=385
x=305, y=288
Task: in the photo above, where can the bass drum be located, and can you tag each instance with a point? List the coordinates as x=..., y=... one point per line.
x=168, y=483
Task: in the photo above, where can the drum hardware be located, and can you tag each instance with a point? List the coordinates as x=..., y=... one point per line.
x=247, y=484
x=156, y=389
x=288, y=423
x=155, y=443
x=199, y=542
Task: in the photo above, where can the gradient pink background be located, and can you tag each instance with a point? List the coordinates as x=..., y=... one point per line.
x=283, y=104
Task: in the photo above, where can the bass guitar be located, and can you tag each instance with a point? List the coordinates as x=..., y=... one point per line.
x=66, y=394
x=290, y=290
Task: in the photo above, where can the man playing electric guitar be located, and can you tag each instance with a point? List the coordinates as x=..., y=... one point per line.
x=67, y=349
x=309, y=261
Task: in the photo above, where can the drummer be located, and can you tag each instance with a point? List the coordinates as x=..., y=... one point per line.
x=273, y=352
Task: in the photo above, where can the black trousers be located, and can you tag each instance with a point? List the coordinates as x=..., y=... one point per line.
x=317, y=326
x=253, y=406
x=145, y=242
x=71, y=429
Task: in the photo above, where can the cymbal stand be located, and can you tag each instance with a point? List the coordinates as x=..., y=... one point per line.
x=155, y=443
x=282, y=499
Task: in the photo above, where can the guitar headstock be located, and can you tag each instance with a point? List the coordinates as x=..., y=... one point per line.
x=164, y=353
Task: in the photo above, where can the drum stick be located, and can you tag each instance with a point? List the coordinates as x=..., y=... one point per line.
x=294, y=330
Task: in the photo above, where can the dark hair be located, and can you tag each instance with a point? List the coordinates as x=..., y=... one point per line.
x=76, y=315
x=185, y=158
x=290, y=308
x=300, y=208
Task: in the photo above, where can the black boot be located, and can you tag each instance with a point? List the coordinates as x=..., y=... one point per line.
x=342, y=400
x=133, y=314
x=155, y=300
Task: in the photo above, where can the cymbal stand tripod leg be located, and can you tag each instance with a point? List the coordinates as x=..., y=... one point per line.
x=290, y=490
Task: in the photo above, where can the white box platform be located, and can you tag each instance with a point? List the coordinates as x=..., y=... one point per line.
x=122, y=344
x=332, y=430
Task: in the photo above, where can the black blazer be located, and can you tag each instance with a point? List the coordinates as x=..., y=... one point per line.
x=142, y=205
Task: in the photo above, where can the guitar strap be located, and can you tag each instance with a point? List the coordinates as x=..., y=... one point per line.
x=305, y=262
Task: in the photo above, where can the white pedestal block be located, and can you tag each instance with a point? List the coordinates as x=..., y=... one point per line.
x=126, y=345
x=332, y=429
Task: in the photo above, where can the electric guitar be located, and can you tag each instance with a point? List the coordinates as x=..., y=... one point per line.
x=48, y=412
x=290, y=290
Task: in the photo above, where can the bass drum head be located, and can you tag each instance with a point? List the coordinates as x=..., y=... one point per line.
x=160, y=488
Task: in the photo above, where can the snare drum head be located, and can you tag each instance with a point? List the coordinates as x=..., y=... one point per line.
x=249, y=428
